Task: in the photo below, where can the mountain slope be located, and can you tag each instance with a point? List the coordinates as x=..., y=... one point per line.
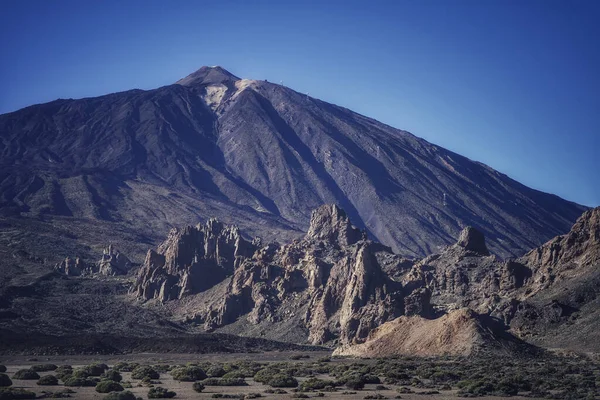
x=261, y=156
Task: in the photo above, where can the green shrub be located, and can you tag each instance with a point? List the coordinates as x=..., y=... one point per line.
x=265, y=375
x=198, y=387
x=2, y=368
x=26, y=374
x=354, y=383
x=125, y=366
x=79, y=382
x=127, y=395
x=234, y=375
x=48, y=380
x=224, y=382
x=315, y=384
x=160, y=393
x=111, y=375
x=16, y=393
x=63, y=371
x=216, y=371
x=80, y=373
x=95, y=369
x=144, y=371
x=61, y=394
x=299, y=396
x=5, y=380
x=188, y=374
x=282, y=380
x=108, y=386
x=374, y=397
x=44, y=367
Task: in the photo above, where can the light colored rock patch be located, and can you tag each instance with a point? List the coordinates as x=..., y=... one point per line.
x=214, y=95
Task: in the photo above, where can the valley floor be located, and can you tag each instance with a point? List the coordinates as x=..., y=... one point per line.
x=405, y=378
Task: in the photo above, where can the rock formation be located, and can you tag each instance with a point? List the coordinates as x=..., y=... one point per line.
x=191, y=260
x=112, y=262
x=460, y=332
x=71, y=266
x=337, y=286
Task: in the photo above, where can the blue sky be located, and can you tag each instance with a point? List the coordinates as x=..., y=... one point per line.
x=513, y=84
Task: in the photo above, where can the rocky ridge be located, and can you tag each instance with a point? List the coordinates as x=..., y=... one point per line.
x=337, y=286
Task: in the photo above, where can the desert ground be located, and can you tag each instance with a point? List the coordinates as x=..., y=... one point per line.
x=406, y=378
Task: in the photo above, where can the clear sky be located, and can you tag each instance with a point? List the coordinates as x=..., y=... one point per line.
x=514, y=84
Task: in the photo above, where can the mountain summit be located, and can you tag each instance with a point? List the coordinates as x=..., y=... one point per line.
x=208, y=76
x=132, y=165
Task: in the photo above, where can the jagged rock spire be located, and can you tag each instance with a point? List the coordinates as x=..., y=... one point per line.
x=473, y=240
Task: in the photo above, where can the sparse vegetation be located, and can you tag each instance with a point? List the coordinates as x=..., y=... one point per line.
x=198, y=387
x=144, y=371
x=188, y=373
x=127, y=395
x=79, y=382
x=5, y=380
x=160, y=393
x=48, y=380
x=44, y=367
x=111, y=375
x=108, y=386
x=225, y=382
x=26, y=374
x=16, y=394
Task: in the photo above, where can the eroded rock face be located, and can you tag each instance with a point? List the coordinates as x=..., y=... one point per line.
x=112, y=263
x=330, y=282
x=191, y=260
x=71, y=266
x=336, y=286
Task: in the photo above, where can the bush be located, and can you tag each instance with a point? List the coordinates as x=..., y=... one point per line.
x=234, y=375
x=26, y=374
x=125, y=366
x=374, y=397
x=5, y=380
x=282, y=380
x=44, y=367
x=315, y=384
x=79, y=382
x=215, y=371
x=48, y=380
x=160, y=393
x=144, y=371
x=224, y=382
x=95, y=369
x=15, y=393
x=111, y=375
x=127, y=395
x=265, y=375
x=63, y=371
x=2, y=368
x=188, y=374
x=108, y=386
x=354, y=383
x=198, y=387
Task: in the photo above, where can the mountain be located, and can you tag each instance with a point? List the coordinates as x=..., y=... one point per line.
x=127, y=167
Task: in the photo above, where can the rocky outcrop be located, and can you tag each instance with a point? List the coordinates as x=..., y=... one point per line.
x=112, y=262
x=71, y=266
x=191, y=260
x=337, y=286
x=330, y=282
x=567, y=255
